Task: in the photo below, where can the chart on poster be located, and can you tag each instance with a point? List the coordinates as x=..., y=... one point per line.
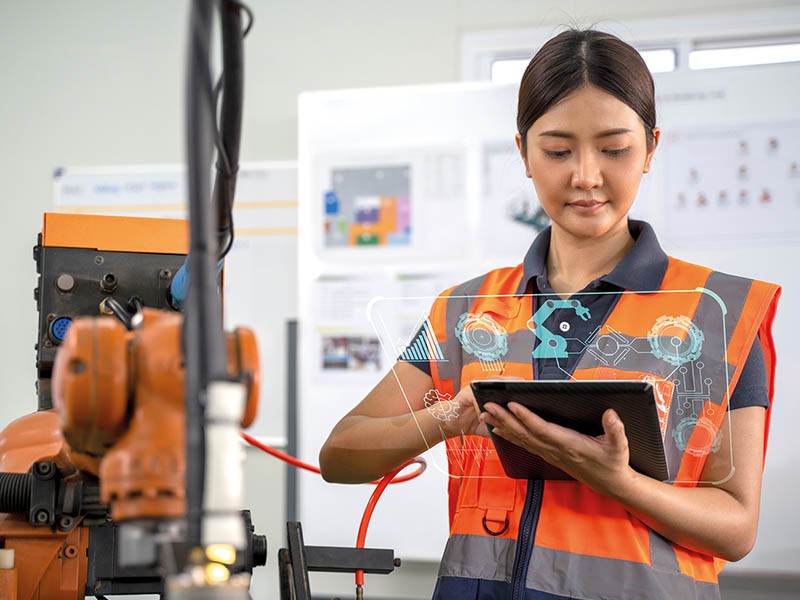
x=735, y=180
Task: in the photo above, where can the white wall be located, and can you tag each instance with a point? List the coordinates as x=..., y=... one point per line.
x=98, y=82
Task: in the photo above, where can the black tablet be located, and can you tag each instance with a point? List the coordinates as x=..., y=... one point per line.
x=579, y=405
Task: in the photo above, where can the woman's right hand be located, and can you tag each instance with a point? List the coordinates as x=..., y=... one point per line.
x=459, y=416
x=464, y=412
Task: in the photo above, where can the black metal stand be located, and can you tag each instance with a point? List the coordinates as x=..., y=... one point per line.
x=296, y=561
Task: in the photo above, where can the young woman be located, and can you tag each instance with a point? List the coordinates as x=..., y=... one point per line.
x=586, y=133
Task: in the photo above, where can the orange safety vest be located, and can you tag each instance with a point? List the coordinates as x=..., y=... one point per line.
x=561, y=537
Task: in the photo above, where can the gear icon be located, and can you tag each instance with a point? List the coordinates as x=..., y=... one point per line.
x=709, y=442
x=482, y=336
x=675, y=340
x=441, y=406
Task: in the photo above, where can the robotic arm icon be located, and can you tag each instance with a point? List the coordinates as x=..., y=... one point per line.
x=553, y=345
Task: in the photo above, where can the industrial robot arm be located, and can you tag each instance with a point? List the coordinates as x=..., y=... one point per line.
x=132, y=484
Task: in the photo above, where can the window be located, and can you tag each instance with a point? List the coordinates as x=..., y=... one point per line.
x=510, y=70
x=757, y=37
x=740, y=56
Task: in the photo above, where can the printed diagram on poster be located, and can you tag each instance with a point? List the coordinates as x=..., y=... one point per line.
x=346, y=346
x=364, y=324
x=351, y=353
x=368, y=206
x=725, y=182
x=510, y=215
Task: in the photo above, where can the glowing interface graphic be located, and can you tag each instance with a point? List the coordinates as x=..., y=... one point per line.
x=484, y=338
x=424, y=347
x=689, y=382
x=441, y=405
x=676, y=339
x=552, y=344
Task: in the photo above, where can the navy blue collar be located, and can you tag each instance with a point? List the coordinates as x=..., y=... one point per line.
x=642, y=269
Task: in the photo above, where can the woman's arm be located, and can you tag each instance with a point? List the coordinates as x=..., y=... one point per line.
x=719, y=519
x=390, y=426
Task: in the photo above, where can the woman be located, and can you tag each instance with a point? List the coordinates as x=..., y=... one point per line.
x=586, y=133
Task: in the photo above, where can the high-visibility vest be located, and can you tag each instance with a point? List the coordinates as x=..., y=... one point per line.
x=579, y=543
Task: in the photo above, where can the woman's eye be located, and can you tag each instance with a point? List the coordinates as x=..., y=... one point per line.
x=617, y=152
x=556, y=153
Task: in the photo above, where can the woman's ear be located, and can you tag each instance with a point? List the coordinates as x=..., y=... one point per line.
x=651, y=151
x=518, y=139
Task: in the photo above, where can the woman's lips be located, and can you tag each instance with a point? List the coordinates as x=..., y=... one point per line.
x=586, y=207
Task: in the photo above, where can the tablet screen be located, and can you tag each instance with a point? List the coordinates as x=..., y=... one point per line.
x=579, y=405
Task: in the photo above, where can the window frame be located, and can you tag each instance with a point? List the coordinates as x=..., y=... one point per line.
x=684, y=34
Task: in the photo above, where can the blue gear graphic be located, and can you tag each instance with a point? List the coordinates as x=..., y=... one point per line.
x=482, y=336
x=683, y=432
x=676, y=340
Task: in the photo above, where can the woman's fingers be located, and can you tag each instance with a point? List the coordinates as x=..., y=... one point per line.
x=614, y=430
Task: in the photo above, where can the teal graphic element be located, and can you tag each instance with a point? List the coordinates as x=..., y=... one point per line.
x=482, y=336
x=553, y=345
x=676, y=340
x=424, y=348
x=710, y=442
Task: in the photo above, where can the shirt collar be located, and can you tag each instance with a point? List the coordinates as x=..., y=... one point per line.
x=642, y=269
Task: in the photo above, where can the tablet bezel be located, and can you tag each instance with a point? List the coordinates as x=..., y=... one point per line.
x=565, y=402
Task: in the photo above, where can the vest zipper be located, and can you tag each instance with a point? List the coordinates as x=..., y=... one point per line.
x=527, y=534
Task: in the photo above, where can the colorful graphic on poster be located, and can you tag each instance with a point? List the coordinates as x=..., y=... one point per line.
x=350, y=353
x=368, y=206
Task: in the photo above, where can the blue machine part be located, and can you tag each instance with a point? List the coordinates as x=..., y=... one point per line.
x=676, y=340
x=180, y=283
x=482, y=336
x=59, y=328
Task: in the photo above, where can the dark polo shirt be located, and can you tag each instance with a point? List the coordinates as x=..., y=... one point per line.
x=641, y=269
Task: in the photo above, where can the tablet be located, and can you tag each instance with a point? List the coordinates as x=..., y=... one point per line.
x=579, y=405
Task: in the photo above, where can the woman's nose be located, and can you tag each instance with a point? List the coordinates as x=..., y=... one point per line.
x=586, y=175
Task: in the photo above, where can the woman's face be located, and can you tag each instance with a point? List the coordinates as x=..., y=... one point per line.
x=586, y=156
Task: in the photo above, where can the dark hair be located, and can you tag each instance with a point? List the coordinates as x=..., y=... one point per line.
x=575, y=58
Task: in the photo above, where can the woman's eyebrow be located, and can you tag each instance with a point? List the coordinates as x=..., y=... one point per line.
x=560, y=133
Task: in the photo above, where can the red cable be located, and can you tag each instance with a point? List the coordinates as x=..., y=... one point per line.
x=373, y=499
x=295, y=462
x=278, y=454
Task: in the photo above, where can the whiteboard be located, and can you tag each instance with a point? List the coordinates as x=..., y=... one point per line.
x=473, y=124
x=260, y=270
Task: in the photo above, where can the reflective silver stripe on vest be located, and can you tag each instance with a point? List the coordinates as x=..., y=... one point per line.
x=576, y=575
x=734, y=291
x=662, y=555
x=478, y=557
x=593, y=577
x=457, y=303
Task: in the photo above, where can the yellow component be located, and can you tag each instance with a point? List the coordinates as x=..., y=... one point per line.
x=221, y=553
x=104, y=310
x=216, y=573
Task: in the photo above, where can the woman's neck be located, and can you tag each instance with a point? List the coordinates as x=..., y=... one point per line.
x=573, y=262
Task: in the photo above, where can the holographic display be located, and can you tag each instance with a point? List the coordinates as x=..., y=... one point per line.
x=683, y=356
x=484, y=338
x=552, y=344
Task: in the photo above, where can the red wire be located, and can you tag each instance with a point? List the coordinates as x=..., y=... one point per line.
x=373, y=499
x=278, y=454
x=295, y=462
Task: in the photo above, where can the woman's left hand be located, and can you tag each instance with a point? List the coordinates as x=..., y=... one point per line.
x=600, y=462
